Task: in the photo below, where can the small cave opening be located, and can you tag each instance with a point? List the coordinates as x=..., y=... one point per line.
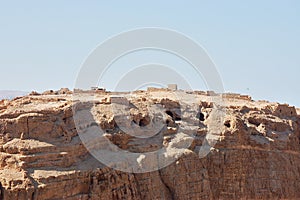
x=227, y=124
x=143, y=122
x=200, y=116
x=170, y=114
x=177, y=118
x=173, y=115
x=168, y=122
x=254, y=122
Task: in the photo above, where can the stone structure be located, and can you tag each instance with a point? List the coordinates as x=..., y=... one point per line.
x=257, y=155
x=172, y=86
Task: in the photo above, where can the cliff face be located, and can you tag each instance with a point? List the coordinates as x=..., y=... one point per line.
x=256, y=154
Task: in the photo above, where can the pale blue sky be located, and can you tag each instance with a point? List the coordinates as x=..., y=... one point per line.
x=254, y=44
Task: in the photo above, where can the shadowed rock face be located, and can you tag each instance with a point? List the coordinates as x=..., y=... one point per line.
x=256, y=156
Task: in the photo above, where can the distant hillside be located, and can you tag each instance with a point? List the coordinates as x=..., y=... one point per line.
x=10, y=94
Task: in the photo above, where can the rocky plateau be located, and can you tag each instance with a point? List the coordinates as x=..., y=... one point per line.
x=182, y=145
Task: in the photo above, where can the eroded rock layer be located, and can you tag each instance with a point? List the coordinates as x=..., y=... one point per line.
x=256, y=153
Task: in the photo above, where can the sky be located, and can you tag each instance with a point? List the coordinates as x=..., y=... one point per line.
x=255, y=45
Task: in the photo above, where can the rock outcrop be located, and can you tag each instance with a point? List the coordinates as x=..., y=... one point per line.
x=256, y=153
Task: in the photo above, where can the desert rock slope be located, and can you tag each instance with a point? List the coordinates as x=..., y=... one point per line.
x=256, y=154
